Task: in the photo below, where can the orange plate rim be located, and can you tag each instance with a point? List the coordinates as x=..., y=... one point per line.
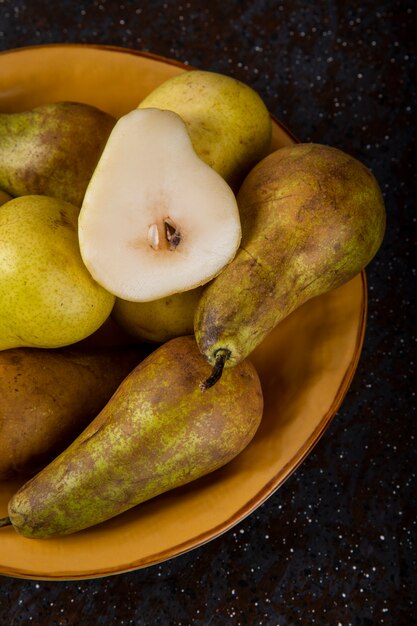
x=275, y=483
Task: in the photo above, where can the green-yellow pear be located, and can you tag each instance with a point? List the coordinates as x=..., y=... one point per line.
x=312, y=218
x=159, y=320
x=52, y=149
x=228, y=122
x=48, y=299
x=158, y=431
x=47, y=397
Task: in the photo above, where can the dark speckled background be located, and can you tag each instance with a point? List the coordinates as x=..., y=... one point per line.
x=336, y=544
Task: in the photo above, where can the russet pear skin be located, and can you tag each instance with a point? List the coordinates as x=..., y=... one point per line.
x=52, y=149
x=229, y=124
x=48, y=299
x=312, y=218
x=47, y=397
x=157, y=432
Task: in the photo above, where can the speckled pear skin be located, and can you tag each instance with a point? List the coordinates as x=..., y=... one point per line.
x=229, y=124
x=158, y=431
x=312, y=218
x=52, y=150
x=48, y=299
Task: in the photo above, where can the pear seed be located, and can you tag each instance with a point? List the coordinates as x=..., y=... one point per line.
x=153, y=236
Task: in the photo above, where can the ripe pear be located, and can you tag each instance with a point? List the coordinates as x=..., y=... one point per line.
x=52, y=149
x=312, y=218
x=229, y=124
x=47, y=397
x=159, y=320
x=155, y=220
x=48, y=299
x=158, y=431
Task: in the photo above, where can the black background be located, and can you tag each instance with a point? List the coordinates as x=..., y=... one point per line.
x=336, y=544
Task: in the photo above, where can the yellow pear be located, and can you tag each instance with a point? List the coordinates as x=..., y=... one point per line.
x=159, y=320
x=48, y=298
x=229, y=124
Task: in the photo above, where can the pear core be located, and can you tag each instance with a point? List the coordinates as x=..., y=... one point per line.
x=156, y=219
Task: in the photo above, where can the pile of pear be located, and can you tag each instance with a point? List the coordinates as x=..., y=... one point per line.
x=178, y=226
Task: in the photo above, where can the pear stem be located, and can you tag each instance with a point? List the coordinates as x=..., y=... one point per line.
x=5, y=521
x=221, y=355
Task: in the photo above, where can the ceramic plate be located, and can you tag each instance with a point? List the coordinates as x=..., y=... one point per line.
x=306, y=365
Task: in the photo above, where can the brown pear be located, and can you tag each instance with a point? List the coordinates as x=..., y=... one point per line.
x=47, y=397
x=229, y=124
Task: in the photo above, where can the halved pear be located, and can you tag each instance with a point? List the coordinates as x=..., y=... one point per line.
x=156, y=219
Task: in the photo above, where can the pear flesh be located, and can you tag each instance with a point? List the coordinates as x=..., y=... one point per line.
x=48, y=299
x=155, y=220
x=158, y=431
x=312, y=218
x=52, y=149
